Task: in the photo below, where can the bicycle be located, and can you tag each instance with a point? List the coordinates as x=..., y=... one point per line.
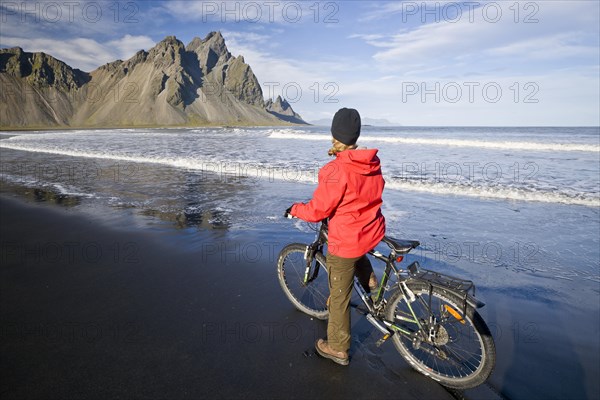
x=431, y=318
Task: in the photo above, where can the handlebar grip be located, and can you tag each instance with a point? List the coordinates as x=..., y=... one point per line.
x=287, y=214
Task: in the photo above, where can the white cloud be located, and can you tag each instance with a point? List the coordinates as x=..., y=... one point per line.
x=82, y=18
x=234, y=11
x=564, y=29
x=408, y=9
x=561, y=45
x=275, y=71
x=564, y=97
x=128, y=45
x=248, y=37
x=375, y=40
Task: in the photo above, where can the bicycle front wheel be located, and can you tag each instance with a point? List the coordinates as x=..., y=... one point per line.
x=453, y=347
x=310, y=297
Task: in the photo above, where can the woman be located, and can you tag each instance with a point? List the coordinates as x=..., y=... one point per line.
x=349, y=194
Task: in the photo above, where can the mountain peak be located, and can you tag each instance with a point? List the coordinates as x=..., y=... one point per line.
x=166, y=53
x=216, y=34
x=13, y=50
x=40, y=69
x=211, y=51
x=281, y=105
x=194, y=44
x=283, y=110
x=278, y=105
x=216, y=42
x=169, y=41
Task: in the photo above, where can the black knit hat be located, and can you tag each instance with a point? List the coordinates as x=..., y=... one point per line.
x=345, y=126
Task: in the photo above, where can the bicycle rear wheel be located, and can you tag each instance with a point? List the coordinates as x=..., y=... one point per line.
x=454, y=348
x=310, y=298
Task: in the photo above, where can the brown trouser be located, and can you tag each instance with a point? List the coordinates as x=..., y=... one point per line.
x=341, y=276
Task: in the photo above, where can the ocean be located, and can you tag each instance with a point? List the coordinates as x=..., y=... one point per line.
x=507, y=188
x=517, y=210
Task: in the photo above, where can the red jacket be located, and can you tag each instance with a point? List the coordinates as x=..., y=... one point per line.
x=349, y=193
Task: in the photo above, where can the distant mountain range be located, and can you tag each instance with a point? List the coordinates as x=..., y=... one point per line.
x=365, y=121
x=168, y=85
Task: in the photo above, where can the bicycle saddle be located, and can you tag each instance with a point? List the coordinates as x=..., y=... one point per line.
x=400, y=246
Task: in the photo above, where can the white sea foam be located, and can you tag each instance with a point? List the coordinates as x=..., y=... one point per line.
x=21, y=180
x=248, y=169
x=71, y=191
x=504, y=145
x=63, y=189
x=494, y=192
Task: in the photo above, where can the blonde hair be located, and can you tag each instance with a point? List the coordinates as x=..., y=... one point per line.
x=338, y=147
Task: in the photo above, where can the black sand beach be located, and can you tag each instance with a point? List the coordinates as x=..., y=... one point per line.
x=90, y=311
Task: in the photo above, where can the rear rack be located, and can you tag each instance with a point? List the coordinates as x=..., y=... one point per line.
x=461, y=286
x=438, y=279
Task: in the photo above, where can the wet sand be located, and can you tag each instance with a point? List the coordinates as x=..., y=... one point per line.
x=92, y=311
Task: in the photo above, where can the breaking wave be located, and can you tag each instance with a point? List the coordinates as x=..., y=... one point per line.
x=501, y=145
x=494, y=192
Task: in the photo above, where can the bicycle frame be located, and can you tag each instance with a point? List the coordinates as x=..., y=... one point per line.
x=376, y=305
x=409, y=297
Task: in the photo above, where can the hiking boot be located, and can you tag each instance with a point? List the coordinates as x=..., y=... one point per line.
x=373, y=284
x=339, y=357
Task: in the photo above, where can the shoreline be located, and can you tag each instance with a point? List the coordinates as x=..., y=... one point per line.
x=189, y=126
x=90, y=311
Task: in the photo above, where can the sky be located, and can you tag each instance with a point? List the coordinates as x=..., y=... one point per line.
x=413, y=63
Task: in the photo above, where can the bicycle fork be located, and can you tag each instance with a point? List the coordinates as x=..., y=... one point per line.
x=309, y=256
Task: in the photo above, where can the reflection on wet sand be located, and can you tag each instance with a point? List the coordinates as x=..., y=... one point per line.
x=182, y=198
x=201, y=219
x=50, y=196
x=42, y=195
x=181, y=216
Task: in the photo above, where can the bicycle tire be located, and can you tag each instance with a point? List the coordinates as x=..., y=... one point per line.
x=468, y=345
x=311, y=298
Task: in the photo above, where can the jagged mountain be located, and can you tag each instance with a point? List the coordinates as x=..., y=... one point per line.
x=168, y=85
x=36, y=88
x=282, y=110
